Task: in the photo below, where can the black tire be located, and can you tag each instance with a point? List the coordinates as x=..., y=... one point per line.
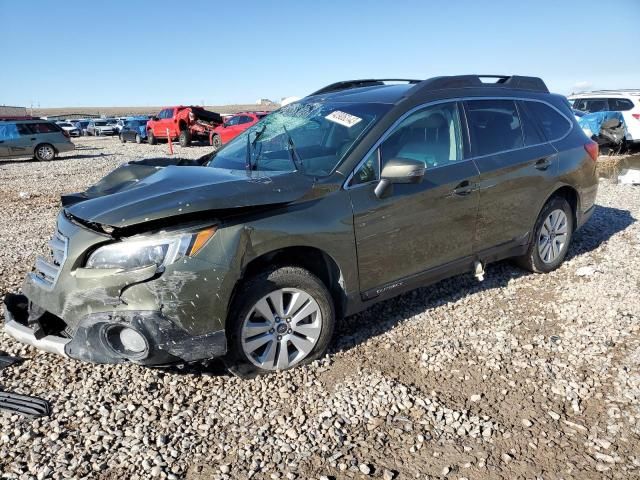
x=44, y=152
x=151, y=138
x=138, y=138
x=533, y=260
x=216, y=142
x=122, y=139
x=255, y=289
x=185, y=138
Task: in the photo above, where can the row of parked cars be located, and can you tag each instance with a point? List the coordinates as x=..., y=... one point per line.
x=182, y=123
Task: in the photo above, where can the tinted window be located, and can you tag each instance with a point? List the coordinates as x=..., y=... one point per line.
x=8, y=131
x=44, y=127
x=620, y=104
x=595, y=105
x=530, y=129
x=233, y=121
x=431, y=135
x=245, y=119
x=494, y=126
x=553, y=124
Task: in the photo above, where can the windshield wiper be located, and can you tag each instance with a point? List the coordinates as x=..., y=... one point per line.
x=293, y=153
x=249, y=163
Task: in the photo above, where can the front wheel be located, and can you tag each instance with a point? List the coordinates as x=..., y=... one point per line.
x=551, y=237
x=151, y=138
x=280, y=318
x=138, y=138
x=44, y=152
x=122, y=139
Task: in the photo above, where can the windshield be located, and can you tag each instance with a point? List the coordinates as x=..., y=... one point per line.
x=310, y=137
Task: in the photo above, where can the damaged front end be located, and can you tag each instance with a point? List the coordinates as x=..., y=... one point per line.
x=142, y=267
x=112, y=313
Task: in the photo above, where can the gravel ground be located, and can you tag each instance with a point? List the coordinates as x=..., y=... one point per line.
x=520, y=376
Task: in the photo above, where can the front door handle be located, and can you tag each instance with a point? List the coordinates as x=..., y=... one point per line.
x=543, y=163
x=463, y=189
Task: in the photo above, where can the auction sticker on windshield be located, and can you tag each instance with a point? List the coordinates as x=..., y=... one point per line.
x=343, y=118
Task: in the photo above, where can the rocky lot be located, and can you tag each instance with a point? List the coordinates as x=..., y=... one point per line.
x=519, y=376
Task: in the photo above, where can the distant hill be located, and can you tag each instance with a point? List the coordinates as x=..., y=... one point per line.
x=125, y=111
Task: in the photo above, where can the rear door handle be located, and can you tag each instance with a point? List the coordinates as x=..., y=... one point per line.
x=543, y=163
x=463, y=189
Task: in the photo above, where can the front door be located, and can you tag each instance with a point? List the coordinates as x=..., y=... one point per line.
x=418, y=227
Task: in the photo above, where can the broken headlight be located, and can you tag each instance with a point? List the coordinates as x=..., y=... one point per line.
x=144, y=252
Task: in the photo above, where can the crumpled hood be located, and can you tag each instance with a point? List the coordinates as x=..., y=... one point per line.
x=142, y=192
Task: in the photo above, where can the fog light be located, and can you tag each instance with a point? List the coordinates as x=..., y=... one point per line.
x=126, y=341
x=132, y=340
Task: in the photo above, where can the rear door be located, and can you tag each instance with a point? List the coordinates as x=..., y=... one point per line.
x=419, y=227
x=517, y=166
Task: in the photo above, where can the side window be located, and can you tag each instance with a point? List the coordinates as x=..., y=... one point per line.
x=233, y=121
x=23, y=129
x=580, y=104
x=620, y=104
x=8, y=131
x=168, y=113
x=432, y=135
x=369, y=170
x=246, y=119
x=553, y=124
x=44, y=127
x=494, y=126
x=532, y=134
x=596, y=105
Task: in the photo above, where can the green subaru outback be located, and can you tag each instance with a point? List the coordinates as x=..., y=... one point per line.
x=359, y=192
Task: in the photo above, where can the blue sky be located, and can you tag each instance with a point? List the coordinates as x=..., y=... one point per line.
x=130, y=53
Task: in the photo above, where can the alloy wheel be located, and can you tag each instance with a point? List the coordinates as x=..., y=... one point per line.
x=553, y=236
x=281, y=329
x=46, y=152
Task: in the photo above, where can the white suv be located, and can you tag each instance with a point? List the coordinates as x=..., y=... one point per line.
x=626, y=102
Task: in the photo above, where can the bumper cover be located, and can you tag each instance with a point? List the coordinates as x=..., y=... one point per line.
x=167, y=343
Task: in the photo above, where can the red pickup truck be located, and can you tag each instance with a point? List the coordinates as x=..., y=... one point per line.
x=186, y=123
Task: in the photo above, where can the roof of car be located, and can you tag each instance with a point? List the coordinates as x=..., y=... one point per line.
x=390, y=91
x=606, y=93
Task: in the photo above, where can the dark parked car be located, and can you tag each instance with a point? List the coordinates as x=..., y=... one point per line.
x=134, y=130
x=352, y=195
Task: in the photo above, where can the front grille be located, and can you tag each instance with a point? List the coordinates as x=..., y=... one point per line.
x=48, y=269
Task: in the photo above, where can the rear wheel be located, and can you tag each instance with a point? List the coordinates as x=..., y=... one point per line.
x=551, y=237
x=122, y=139
x=151, y=138
x=185, y=138
x=44, y=152
x=280, y=318
x=216, y=143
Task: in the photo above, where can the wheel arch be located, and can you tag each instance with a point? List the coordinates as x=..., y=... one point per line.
x=313, y=259
x=572, y=196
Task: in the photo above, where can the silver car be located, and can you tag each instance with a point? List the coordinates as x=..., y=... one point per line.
x=101, y=127
x=34, y=138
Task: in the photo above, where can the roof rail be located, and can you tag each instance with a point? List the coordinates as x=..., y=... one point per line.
x=372, y=82
x=467, y=81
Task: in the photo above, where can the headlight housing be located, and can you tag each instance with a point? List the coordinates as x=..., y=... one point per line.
x=143, y=252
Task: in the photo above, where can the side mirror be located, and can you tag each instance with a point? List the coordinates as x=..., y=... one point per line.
x=155, y=119
x=399, y=170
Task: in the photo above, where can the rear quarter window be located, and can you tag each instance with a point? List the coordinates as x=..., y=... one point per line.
x=553, y=124
x=8, y=131
x=620, y=104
